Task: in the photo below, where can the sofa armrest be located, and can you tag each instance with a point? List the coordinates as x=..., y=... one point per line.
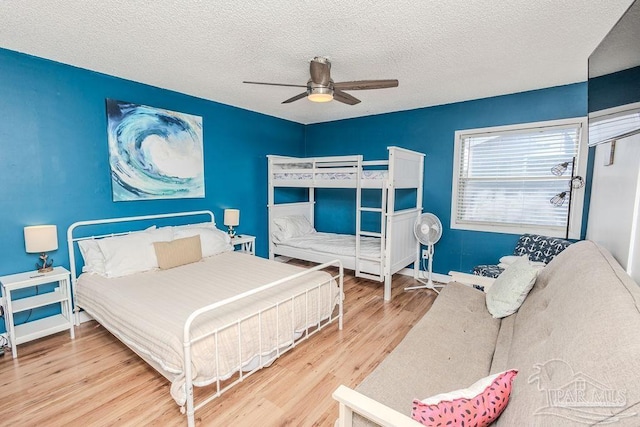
x=351, y=401
x=472, y=279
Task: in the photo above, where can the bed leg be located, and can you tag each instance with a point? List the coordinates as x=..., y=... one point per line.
x=191, y=419
x=387, y=287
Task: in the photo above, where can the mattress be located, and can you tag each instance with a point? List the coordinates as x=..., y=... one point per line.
x=335, y=244
x=147, y=311
x=331, y=176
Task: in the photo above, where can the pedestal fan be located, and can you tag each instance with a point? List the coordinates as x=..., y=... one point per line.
x=428, y=230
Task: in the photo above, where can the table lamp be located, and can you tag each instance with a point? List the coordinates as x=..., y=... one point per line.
x=41, y=239
x=231, y=219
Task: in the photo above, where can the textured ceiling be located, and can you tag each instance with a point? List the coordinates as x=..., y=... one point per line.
x=441, y=51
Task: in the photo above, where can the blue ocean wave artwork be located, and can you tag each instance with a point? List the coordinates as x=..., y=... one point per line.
x=154, y=153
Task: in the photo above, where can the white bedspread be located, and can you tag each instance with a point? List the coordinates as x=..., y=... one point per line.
x=338, y=244
x=147, y=311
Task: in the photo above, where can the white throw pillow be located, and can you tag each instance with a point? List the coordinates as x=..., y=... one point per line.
x=92, y=256
x=210, y=225
x=510, y=289
x=291, y=226
x=510, y=259
x=132, y=253
x=213, y=241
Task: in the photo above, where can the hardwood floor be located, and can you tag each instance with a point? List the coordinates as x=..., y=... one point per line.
x=96, y=380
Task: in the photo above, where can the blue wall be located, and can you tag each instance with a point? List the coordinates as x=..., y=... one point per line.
x=431, y=131
x=54, y=159
x=615, y=89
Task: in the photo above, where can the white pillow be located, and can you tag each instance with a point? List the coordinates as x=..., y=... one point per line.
x=510, y=259
x=512, y=286
x=210, y=225
x=132, y=253
x=213, y=241
x=92, y=256
x=507, y=260
x=291, y=226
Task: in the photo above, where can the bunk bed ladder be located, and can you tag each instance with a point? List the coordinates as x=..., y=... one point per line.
x=362, y=233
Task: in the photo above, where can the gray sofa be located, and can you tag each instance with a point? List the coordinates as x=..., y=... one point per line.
x=575, y=341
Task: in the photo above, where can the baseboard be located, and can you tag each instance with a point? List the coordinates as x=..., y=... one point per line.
x=437, y=277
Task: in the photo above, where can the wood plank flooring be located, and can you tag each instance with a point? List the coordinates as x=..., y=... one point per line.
x=96, y=380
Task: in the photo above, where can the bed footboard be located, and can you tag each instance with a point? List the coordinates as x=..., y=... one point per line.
x=351, y=401
x=190, y=338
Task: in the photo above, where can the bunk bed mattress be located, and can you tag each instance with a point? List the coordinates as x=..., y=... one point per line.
x=331, y=176
x=147, y=311
x=335, y=244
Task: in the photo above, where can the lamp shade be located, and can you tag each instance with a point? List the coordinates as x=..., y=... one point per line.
x=231, y=217
x=40, y=238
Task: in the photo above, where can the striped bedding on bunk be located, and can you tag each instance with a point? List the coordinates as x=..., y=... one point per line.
x=147, y=311
x=331, y=176
x=335, y=244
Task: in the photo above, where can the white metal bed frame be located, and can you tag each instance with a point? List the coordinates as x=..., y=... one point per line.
x=398, y=245
x=189, y=340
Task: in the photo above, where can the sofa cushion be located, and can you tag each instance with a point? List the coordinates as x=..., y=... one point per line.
x=577, y=332
x=448, y=349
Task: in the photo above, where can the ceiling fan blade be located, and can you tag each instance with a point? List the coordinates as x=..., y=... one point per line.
x=366, y=84
x=344, y=97
x=295, y=98
x=274, y=84
x=320, y=70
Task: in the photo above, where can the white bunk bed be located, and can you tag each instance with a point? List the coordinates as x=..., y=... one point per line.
x=397, y=246
x=232, y=315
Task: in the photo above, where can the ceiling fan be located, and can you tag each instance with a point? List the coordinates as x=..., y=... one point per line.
x=321, y=87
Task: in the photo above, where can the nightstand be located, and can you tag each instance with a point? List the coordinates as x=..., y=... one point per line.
x=29, y=331
x=245, y=243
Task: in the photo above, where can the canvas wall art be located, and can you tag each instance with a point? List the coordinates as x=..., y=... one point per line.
x=154, y=153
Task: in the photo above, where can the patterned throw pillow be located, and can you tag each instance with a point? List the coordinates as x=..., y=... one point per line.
x=479, y=405
x=540, y=248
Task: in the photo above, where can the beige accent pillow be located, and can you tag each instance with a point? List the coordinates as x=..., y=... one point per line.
x=510, y=289
x=178, y=252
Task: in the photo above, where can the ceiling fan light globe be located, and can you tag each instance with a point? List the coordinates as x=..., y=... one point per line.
x=320, y=97
x=320, y=94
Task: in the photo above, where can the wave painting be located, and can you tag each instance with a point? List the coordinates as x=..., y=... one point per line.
x=154, y=153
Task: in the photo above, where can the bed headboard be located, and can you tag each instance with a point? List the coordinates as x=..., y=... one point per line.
x=116, y=226
x=406, y=168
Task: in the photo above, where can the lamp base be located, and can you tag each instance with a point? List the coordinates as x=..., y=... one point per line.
x=43, y=266
x=231, y=232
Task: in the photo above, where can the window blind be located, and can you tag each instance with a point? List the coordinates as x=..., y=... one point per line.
x=504, y=178
x=611, y=126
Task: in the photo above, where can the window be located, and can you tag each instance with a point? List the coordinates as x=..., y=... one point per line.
x=503, y=182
